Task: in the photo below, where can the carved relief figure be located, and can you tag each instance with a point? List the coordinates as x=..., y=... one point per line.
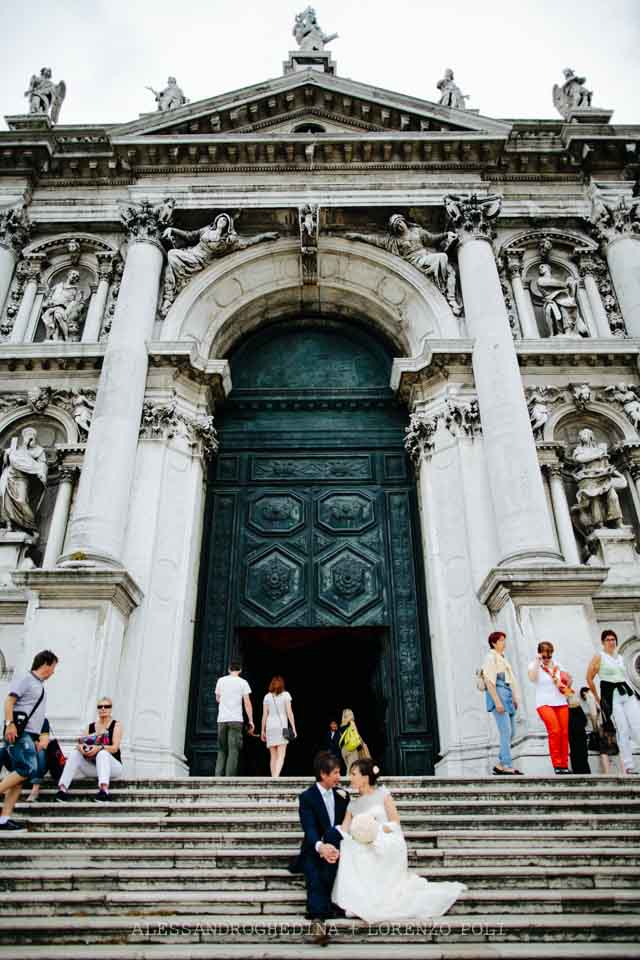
x=558, y=299
x=598, y=482
x=82, y=407
x=418, y=246
x=23, y=481
x=615, y=216
x=629, y=399
x=171, y=97
x=193, y=250
x=539, y=411
x=45, y=96
x=572, y=94
x=451, y=94
x=63, y=309
x=307, y=32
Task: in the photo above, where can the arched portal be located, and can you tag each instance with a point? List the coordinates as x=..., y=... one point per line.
x=311, y=564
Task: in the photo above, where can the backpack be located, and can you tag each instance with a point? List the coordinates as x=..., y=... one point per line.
x=350, y=739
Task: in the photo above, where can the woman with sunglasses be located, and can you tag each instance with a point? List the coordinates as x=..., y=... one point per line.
x=551, y=703
x=617, y=699
x=97, y=753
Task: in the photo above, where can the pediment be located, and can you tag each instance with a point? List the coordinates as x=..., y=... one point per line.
x=335, y=104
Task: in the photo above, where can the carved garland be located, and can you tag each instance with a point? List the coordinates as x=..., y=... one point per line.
x=163, y=420
x=623, y=395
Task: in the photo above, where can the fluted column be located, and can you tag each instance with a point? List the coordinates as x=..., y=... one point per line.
x=525, y=533
x=95, y=315
x=60, y=518
x=616, y=223
x=526, y=316
x=15, y=230
x=100, y=515
x=31, y=268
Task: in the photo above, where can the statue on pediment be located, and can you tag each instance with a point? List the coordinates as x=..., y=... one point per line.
x=598, y=481
x=426, y=251
x=23, y=481
x=572, y=94
x=307, y=32
x=193, y=250
x=63, y=309
x=171, y=97
x=451, y=94
x=45, y=96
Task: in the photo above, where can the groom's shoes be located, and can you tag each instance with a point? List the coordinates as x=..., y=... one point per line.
x=318, y=933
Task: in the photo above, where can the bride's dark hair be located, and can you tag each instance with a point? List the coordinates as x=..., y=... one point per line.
x=368, y=768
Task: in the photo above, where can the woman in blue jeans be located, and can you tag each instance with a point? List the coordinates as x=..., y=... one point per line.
x=502, y=697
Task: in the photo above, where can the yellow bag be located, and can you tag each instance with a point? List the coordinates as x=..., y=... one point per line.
x=350, y=739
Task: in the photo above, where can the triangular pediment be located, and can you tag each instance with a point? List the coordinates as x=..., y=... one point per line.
x=330, y=104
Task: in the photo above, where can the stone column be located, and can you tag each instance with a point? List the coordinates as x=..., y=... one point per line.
x=15, y=230
x=525, y=533
x=526, y=316
x=100, y=515
x=616, y=224
x=562, y=513
x=629, y=454
x=31, y=268
x=95, y=314
x=58, y=528
x=589, y=267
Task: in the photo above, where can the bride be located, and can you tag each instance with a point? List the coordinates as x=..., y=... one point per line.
x=373, y=881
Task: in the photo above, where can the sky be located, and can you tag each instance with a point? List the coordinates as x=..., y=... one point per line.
x=506, y=54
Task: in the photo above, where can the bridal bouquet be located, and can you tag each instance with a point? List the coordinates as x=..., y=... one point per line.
x=364, y=828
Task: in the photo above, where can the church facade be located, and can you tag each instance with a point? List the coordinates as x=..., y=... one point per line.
x=328, y=377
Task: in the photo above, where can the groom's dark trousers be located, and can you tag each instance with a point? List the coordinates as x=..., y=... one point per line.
x=319, y=874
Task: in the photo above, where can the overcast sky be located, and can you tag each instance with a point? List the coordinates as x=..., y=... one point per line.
x=506, y=54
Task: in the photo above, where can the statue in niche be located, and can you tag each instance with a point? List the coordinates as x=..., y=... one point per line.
x=193, y=250
x=45, y=96
x=559, y=304
x=307, y=32
x=23, y=482
x=63, y=309
x=419, y=247
x=171, y=97
x=598, y=481
x=571, y=95
x=451, y=94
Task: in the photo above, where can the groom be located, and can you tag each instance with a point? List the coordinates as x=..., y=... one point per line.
x=322, y=809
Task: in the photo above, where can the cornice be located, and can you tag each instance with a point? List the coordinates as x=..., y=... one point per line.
x=82, y=584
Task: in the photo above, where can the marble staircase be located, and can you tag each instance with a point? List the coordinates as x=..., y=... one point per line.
x=197, y=869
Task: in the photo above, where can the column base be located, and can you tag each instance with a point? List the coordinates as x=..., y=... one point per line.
x=532, y=555
x=615, y=548
x=530, y=755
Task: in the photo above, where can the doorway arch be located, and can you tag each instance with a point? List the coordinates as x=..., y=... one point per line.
x=312, y=562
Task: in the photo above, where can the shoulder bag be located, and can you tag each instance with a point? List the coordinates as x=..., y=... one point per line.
x=287, y=732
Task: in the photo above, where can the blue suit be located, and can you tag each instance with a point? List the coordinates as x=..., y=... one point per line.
x=319, y=874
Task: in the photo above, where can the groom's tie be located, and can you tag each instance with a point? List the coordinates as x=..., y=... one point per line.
x=330, y=803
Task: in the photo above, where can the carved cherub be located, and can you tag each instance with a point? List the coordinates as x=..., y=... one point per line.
x=628, y=397
x=538, y=404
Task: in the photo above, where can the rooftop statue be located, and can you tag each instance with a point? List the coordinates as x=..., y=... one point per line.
x=307, y=31
x=171, y=97
x=45, y=96
x=451, y=94
x=571, y=95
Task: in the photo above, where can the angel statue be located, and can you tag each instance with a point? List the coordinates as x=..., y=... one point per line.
x=559, y=304
x=571, y=95
x=45, y=96
x=63, y=309
x=23, y=481
x=628, y=397
x=307, y=32
x=451, y=94
x=193, y=250
x=411, y=242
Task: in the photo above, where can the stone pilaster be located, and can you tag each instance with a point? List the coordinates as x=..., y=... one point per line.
x=31, y=269
x=15, y=230
x=616, y=223
x=524, y=529
x=101, y=510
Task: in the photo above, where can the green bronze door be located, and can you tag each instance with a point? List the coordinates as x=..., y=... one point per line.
x=311, y=560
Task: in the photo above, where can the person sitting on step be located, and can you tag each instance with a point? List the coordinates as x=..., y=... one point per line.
x=97, y=753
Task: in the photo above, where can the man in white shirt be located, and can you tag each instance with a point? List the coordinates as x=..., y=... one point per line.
x=231, y=693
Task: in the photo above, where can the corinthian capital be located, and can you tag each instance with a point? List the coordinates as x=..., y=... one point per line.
x=15, y=228
x=147, y=220
x=472, y=216
x=615, y=217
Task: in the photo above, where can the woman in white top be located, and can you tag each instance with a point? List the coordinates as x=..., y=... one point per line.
x=276, y=715
x=551, y=703
x=617, y=698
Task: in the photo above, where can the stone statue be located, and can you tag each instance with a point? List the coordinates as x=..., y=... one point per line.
x=539, y=412
x=171, y=97
x=307, y=31
x=558, y=299
x=451, y=94
x=419, y=247
x=598, y=482
x=63, y=309
x=193, y=250
x=15, y=227
x=629, y=399
x=23, y=481
x=45, y=96
x=614, y=217
x=571, y=95
x=82, y=407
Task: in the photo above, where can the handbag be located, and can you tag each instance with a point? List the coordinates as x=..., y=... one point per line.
x=55, y=759
x=287, y=732
x=350, y=739
x=21, y=718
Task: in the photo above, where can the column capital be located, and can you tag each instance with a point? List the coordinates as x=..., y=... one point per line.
x=629, y=453
x=471, y=216
x=164, y=419
x=614, y=218
x=15, y=228
x=67, y=473
x=419, y=437
x=145, y=221
x=106, y=262
x=30, y=267
x=512, y=260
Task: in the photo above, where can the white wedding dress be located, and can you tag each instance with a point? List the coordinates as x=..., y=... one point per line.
x=373, y=880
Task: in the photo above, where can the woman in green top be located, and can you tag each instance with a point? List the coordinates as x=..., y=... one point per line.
x=617, y=698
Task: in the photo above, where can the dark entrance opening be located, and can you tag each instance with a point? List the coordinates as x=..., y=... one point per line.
x=325, y=670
